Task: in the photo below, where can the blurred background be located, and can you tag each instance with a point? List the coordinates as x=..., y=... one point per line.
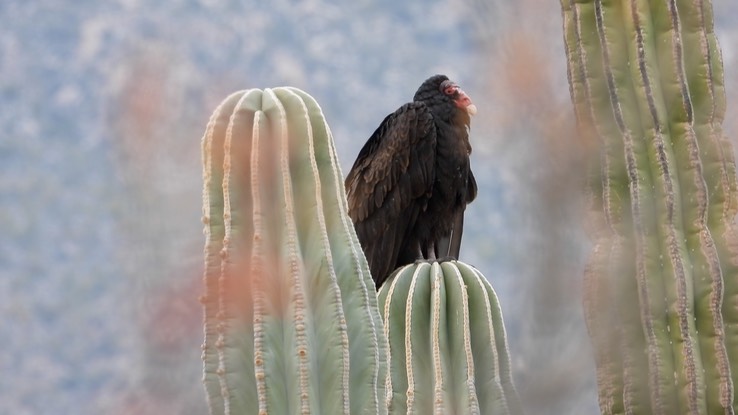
x=102, y=108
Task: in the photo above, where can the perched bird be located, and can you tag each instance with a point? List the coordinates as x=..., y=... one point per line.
x=411, y=182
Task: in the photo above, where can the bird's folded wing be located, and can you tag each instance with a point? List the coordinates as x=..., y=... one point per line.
x=395, y=167
x=390, y=183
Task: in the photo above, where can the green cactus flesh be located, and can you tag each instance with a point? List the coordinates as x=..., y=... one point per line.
x=447, y=342
x=646, y=80
x=291, y=318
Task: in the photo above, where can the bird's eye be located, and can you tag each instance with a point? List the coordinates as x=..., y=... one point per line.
x=450, y=90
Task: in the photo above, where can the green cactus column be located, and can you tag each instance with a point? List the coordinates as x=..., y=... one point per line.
x=448, y=348
x=661, y=289
x=291, y=318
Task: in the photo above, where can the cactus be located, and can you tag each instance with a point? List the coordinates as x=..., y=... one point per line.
x=661, y=288
x=290, y=313
x=448, y=349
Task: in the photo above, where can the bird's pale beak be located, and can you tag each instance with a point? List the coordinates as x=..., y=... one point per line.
x=464, y=102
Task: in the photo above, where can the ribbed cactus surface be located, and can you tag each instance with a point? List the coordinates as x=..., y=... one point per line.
x=447, y=341
x=646, y=79
x=291, y=318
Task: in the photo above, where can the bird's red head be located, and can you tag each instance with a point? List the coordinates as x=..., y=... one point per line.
x=459, y=97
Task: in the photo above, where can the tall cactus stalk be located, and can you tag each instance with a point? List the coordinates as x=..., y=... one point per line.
x=291, y=318
x=661, y=296
x=448, y=348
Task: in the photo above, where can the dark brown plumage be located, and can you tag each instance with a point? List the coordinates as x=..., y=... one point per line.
x=411, y=182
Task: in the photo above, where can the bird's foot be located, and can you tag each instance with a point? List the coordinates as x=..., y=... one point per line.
x=447, y=258
x=423, y=261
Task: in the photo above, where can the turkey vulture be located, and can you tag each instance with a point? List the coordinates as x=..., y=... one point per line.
x=411, y=182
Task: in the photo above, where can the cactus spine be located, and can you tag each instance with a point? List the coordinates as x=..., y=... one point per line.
x=447, y=341
x=646, y=80
x=291, y=318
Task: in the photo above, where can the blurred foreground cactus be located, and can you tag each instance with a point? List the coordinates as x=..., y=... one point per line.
x=291, y=318
x=661, y=289
x=448, y=348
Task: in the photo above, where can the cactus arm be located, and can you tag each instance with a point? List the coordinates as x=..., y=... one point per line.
x=447, y=342
x=658, y=63
x=288, y=326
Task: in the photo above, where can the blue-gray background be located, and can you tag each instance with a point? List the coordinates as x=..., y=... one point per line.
x=102, y=107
